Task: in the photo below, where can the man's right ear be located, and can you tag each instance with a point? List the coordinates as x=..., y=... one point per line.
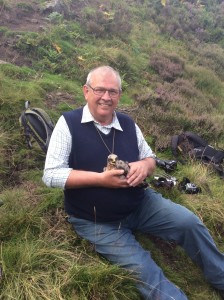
x=85, y=90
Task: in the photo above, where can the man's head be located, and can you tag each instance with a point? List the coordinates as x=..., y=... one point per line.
x=102, y=92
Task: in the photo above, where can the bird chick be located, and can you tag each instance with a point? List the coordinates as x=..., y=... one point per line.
x=122, y=165
x=113, y=163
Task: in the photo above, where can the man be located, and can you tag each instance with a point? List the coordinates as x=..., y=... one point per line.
x=105, y=207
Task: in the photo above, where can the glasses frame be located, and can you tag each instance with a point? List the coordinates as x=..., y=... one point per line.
x=101, y=93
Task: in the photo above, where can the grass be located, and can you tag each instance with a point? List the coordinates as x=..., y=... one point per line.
x=43, y=269
x=42, y=259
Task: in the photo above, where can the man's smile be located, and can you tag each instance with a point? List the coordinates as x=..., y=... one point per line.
x=105, y=103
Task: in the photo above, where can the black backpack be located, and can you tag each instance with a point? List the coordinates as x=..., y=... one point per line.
x=37, y=126
x=190, y=145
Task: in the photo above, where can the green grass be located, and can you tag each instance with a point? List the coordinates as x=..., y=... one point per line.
x=41, y=258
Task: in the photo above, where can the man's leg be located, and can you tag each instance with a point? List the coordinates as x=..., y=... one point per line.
x=117, y=243
x=173, y=222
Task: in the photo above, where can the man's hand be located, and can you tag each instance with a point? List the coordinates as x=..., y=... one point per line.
x=139, y=170
x=113, y=179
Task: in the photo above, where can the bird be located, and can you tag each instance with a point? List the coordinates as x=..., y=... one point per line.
x=111, y=162
x=114, y=163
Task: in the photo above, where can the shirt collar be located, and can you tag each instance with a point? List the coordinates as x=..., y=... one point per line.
x=87, y=117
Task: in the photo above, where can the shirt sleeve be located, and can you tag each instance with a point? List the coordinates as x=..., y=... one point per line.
x=56, y=169
x=144, y=149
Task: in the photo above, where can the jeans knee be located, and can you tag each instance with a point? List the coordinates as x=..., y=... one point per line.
x=190, y=222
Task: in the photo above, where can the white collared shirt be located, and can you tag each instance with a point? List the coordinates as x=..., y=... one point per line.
x=56, y=170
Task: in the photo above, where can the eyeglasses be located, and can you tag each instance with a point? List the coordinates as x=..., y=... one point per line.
x=101, y=91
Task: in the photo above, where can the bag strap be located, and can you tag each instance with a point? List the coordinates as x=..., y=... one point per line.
x=40, y=118
x=45, y=117
x=27, y=132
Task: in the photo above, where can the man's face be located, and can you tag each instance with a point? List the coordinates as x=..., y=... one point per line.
x=102, y=96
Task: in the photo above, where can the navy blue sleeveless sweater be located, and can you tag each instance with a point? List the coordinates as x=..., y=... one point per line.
x=89, y=153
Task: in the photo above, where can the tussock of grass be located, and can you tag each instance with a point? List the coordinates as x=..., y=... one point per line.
x=45, y=269
x=42, y=259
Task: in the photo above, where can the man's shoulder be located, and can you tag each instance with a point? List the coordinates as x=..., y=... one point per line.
x=73, y=117
x=126, y=122
x=123, y=116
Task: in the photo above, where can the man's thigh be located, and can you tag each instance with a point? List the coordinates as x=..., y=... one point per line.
x=112, y=240
x=117, y=244
x=160, y=216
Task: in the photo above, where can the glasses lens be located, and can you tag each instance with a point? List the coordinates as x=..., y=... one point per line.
x=101, y=92
x=113, y=93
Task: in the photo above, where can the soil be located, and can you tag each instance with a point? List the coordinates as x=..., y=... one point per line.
x=26, y=16
x=29, y=16
x=19, y=17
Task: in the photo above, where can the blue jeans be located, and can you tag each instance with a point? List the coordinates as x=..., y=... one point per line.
x=167, y=220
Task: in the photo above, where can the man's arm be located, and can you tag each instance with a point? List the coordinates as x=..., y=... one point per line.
x=56, y=169
x=109, y=179
x=139, y=170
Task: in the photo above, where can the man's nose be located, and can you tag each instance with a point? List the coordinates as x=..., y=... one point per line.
x=106, y=95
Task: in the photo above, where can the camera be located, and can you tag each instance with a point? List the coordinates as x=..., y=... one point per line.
x=191, y=188
x=167, y=165
x=188, y=187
